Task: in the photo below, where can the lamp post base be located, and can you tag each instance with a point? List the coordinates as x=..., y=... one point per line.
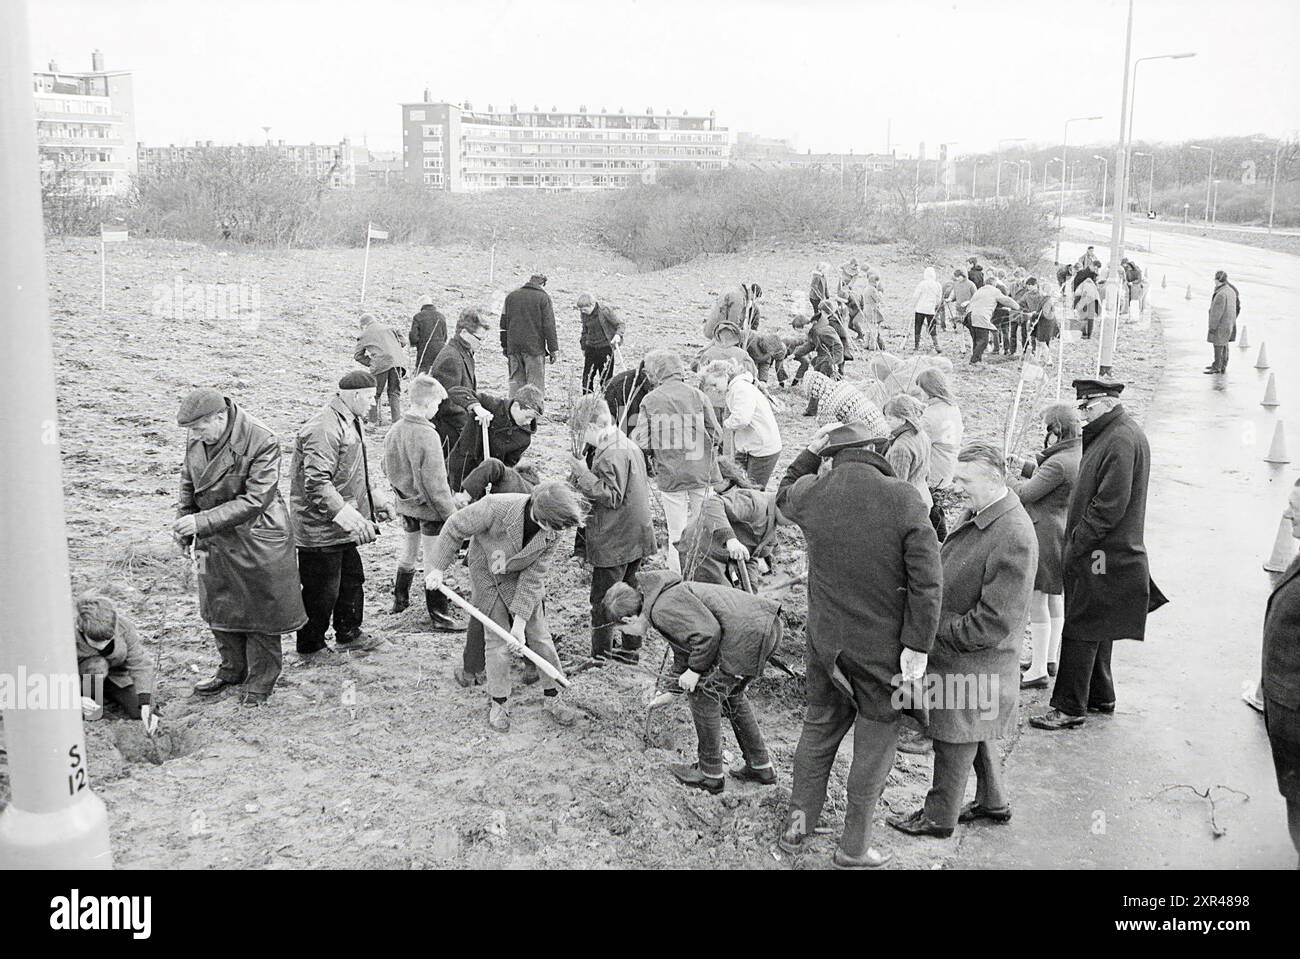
x=75, y=837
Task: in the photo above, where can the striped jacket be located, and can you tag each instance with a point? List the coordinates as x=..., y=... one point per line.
x=500, y=565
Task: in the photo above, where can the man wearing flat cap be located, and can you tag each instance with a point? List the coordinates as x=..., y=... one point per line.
x=874, y=591
x=233, y=518
x=1108, y=587
x=528, y=334
x=335, y=510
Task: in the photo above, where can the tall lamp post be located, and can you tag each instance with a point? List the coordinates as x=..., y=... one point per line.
x=1065, y=144
x=53, y=819
x=1209, y=180
x=1214, y=210
x=1029, y=180
x=974, y=177
x=1105, y=174
x=1128, y=136
x=1109, y=327
x=1272, y=200
x=997, y=187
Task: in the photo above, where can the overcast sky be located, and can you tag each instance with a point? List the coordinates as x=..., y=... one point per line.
x=830, y=74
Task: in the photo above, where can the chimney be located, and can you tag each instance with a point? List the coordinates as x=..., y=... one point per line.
x=96, y=61
x=427, y=98
x=54, y=67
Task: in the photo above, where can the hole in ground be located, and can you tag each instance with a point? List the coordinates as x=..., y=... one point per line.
x=170, y=742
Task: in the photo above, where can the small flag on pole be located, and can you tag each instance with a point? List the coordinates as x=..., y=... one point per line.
x=377, y=234
x=112, y=236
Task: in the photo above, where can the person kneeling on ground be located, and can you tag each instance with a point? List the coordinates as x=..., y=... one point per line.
x=513, y=538
x=721, y=638
x=112, y=659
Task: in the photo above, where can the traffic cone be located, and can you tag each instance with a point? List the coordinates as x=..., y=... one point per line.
x=1189, y=291
x=1277, y=449
x=1262, y=362
x=1284, y=547
x=1164, y=281
x=1270, y=392
x=1242, y=342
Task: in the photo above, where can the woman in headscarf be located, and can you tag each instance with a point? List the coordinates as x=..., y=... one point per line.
x=943, y=424
x=909, y=446
x=1050, y=478
x=1087, y=304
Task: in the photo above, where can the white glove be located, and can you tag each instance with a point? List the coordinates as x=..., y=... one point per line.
x=481, y=414
x=433, y=580
x=912, y=664
x=736, y=550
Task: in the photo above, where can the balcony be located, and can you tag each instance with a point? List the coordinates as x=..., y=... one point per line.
x=66, y=141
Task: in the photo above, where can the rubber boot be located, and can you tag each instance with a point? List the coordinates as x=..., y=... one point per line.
x=402, y=590
x=439, y=614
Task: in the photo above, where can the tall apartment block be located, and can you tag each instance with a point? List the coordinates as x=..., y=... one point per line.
x=448, y=146
x=85, y=128
x=330, y=163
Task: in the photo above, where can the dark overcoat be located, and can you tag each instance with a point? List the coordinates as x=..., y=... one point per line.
x=874, y=577
x=248, y=570
x=1108, y=588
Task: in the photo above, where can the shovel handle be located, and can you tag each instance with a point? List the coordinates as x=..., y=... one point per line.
x=491, y=624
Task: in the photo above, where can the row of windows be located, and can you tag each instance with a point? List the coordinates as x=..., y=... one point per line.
x=52, y=105
x=515, y=133
x=530, y=150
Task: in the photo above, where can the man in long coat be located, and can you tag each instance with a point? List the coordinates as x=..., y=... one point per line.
x=232, y=516
x=1108, y=588
x=1224, y=307
x=874, y=590
x=528, y=334
x=972, y=676
x=428, y=336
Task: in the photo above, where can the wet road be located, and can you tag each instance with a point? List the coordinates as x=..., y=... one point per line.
x=1091, y=797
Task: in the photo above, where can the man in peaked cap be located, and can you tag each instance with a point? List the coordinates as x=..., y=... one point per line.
x=1108, y=587
x=873, y=609
x=334, y=510
x=248, y=582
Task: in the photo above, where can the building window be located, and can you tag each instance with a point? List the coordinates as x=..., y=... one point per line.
x=415, y=116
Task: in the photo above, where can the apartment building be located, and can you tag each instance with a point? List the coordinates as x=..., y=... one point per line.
x=448, y=146
x=331, y=163
x=85, y=128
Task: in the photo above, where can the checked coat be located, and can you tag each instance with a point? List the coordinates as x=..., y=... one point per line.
x=500, y=565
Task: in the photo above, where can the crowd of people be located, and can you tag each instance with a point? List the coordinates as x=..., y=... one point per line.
x=928, y=555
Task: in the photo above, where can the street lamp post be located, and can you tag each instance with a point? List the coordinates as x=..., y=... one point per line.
x=1214, y=210
x=1029, y=180
x=1065, y=143
x=1128, y=136
x=1209, y=180
x=997, y=191
x=1109, y=326
x=1105, y=173
x=997, y=180
x=1272, y=200
x=974, y=177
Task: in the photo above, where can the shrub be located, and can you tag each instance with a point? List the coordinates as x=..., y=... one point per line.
x=1021, y=230
x=687, y=213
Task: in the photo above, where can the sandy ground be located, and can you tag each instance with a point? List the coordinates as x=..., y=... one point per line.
x=383, y=761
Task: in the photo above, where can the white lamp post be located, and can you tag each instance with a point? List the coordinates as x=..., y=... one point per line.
x=1209, y=180
x=1060, y=209
x=1105, y=173
x=1272, y=200
x=997, y=186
